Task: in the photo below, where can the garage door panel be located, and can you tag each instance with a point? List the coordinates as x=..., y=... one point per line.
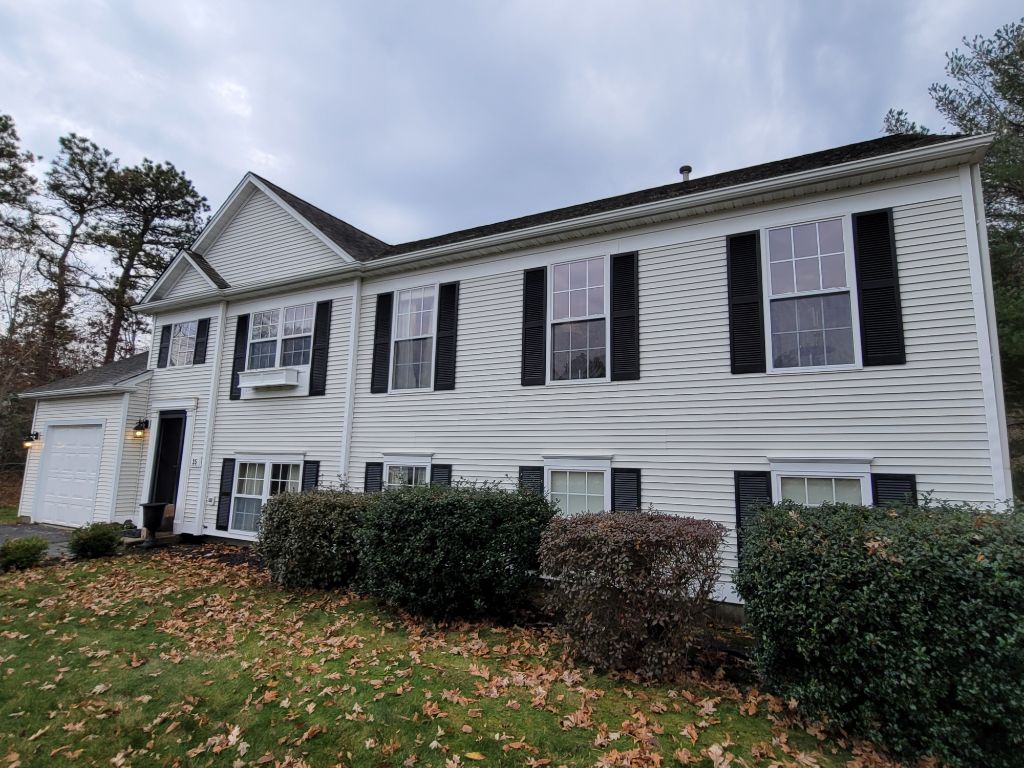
x=70, y=474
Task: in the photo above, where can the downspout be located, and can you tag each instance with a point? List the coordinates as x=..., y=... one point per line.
x=350, y=381
x=211, y=415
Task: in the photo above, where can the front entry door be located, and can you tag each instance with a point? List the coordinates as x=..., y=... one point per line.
x=170, y=444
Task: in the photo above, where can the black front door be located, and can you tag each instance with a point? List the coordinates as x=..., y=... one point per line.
x=170, y=442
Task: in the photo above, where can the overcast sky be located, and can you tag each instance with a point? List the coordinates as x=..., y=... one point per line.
x=411, y=119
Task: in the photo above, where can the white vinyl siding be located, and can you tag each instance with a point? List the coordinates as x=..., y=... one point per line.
x=185, y=382
x=95, y=409
x=189, y=284
x=263, y=243
x=133, y=456
x=688, y=422
x=309, y=428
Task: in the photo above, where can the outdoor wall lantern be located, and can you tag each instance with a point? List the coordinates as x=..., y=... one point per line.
x=140, y=427
x=30, y=439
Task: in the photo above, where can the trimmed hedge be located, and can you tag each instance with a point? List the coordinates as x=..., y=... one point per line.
x=96, y=540
x=308, y=540
x=904, y=624
x=631, y=588
x=22, y=553
x=452, y=551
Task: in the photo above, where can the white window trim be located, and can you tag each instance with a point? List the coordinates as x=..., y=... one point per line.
x=550, y=310
x=406, y=460
x=846, y=468
x=170, y=349
x=267, y=460
x=851, y=288
x=281, y=337
x=564, y=463
x=436, y=287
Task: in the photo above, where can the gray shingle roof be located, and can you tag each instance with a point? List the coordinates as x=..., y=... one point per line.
x=812, y=161
x=360, y=245
x=207, y=267
x=364, y=247
x=109, y=375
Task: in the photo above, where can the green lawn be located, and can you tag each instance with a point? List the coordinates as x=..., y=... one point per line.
x=178, y=659
x=8, y=515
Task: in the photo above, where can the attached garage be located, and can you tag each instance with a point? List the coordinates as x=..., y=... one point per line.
x=85, y=464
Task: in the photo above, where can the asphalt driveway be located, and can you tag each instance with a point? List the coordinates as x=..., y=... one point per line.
x=57, y=537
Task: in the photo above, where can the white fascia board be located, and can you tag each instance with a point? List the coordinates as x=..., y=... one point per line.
x=302, y=220
x=202, y=272
x=168, y=274
x=223, y=215
x=129, y=385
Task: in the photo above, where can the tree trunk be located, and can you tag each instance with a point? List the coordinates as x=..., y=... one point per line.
x=48, y=343
x=118, y=300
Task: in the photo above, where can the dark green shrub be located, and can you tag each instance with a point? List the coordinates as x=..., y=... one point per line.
x=904, y=624
x=96, y=540
x=308, y=539
x=452, y=551
x=22, y=553
x=631, y=588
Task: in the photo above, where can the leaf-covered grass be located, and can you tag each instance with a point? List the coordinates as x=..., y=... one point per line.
x=8, y=515
x=174, y=658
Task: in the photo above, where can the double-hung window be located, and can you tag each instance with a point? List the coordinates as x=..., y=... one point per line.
x=255, y=482
x=415, y=327
x=578, y=483
x=579, y=328
x=810, y=311
x=281, y=338
x=183, y=343
x=576, y=491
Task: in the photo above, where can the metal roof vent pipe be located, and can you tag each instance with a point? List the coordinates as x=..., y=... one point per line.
x=686, y=170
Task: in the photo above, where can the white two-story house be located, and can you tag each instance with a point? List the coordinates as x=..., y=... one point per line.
x=815, y=328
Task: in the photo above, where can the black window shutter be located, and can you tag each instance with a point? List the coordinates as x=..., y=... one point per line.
x=381, y=366
x=893, y=489
x=878, y=289
x=227, y=480
x=447, y=335
x=440, y=474
x=626, y=490
x=532, y=479
x=321, y=346
x=310, y=475
x=238, y=361
x=535, y=320
x=753, y=490
x=625, y=317
x=202, y=340
x=373, y=477
x=165, y=346
x=746, y=314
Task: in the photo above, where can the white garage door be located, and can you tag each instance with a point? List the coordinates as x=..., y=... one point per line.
x=70, y=469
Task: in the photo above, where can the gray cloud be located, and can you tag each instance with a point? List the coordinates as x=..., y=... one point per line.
x=412, y=119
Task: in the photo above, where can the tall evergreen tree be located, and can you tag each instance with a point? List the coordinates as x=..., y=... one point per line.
x=75, y=196
x=985, y=93
x=17, y=185
x=155, y=211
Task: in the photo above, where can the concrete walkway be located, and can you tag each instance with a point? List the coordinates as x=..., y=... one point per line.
x=56, y=537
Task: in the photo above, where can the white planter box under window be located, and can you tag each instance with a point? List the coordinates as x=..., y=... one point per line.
x=271, y=378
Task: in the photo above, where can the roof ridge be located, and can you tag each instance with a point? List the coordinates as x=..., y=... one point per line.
x=361, y=245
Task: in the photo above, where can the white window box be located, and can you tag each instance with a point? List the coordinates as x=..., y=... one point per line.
x=269, y=378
